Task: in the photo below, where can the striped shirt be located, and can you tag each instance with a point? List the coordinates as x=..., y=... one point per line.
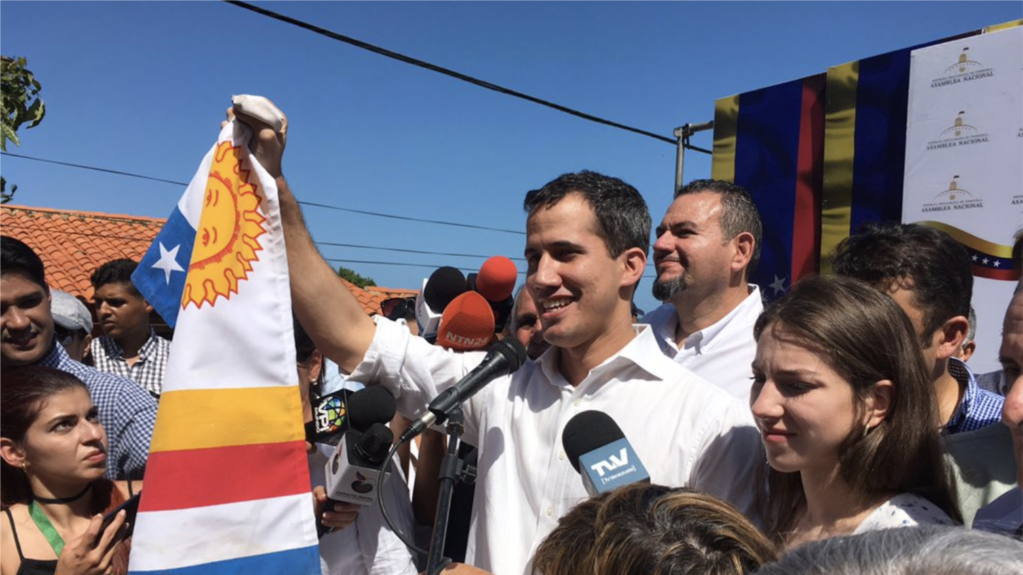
x=108, y=356
x=978, y=408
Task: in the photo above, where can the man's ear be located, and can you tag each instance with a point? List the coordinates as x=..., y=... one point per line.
x=879, y=402
x=633, y=263
x=967, y=351
x=950, y=337
x=744, y=247
x=11, y=453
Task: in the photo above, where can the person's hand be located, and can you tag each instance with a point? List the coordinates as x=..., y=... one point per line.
x=333, y=514
x=92, y=553
x=267, y=144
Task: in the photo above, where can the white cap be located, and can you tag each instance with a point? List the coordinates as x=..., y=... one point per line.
x=69, y=312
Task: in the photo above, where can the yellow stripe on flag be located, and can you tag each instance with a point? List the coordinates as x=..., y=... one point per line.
x=726, y=123
x=204, y=418
x=839, y=152
x=1003, y=26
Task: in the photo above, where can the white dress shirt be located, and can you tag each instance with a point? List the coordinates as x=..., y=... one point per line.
x=686, y=432
x=721, y=353
x=368, y=546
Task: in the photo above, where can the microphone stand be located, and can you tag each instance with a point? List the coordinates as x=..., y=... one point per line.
x=450, y=474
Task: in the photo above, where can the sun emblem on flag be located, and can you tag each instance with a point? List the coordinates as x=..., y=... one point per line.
x=227, y=239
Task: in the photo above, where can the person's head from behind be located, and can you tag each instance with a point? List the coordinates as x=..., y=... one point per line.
x=525, y=325
x=645, y=529
x=708, y=240
x=587, y=237
x=309, y=363
x=120, y=308
x=25, y=321
x=923, y=269
x=50, y=435
x=924, y=550
x=72, y=323
x=839, y=383
x=1010, y=354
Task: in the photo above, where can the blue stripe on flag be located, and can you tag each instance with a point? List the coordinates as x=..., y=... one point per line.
x=766, y=164
x=302, y=561
x=160, y=276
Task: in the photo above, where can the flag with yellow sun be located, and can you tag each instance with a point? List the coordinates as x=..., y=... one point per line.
x=227, y=486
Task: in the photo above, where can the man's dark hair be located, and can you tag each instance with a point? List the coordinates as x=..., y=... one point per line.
x=115, y=272
x=930, y=263
x=738, y=213
x=622, y=215
x=16, y=257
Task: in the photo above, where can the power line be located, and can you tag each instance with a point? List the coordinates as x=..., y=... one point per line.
x=445, y=71
x=409, y=251
x=312, y=204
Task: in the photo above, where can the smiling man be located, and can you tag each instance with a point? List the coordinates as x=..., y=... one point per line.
x=708, y=245
x=129, y=347
x=587, y=237
x=27, y=338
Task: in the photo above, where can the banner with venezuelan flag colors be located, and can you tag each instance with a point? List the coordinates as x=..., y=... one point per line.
x=963, y=174
x=227, y=484
x=771, y=142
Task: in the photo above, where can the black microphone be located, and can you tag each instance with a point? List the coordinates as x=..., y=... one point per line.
x=598, y=450
x=353, y=468
x=445, y=284
x=337, y=412
x=503, y=358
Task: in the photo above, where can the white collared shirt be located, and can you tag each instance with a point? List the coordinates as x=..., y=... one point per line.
x=684, y=430
x=721, y=353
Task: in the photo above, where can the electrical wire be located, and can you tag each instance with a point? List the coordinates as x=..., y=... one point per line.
x=304, y=203
x=445, y=71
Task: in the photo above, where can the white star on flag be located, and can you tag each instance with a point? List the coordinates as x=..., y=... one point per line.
x=778, y=285
x=974, y=257
x=996, y=264
x=985, y=260
x=168, y=261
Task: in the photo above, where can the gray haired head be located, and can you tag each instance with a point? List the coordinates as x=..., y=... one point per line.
x=930, y=550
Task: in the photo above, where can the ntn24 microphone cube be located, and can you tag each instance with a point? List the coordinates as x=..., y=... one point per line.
x=610, y=467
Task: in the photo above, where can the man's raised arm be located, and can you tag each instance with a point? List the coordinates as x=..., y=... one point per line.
x=327, y=310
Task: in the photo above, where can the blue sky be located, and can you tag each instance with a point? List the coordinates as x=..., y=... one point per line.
x=142, y=86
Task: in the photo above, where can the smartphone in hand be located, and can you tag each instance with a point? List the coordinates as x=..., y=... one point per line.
x=131, y=509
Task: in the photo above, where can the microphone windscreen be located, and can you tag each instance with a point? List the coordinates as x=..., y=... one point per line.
x=375, y=443
x=496, y=280
x=586, y=432
x=444, y=285
x=467, y=323
x=368, y=406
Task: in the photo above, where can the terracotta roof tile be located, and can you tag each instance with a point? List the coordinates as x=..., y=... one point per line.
x=73, y=244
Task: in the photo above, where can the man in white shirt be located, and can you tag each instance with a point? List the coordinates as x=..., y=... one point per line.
x=586, y=245
x=708, y=245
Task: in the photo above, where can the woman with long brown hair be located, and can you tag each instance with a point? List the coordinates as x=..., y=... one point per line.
x=847, y=416
x=52, y=488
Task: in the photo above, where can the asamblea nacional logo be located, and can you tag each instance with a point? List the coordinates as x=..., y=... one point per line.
x=953, y=198
x=960, y=133
x=963, y=70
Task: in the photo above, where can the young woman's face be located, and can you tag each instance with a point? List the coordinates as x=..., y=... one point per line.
x=804, y=409
x=66, y=442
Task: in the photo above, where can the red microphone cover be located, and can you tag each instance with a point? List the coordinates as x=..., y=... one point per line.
x=496, y=279
x=467, y=323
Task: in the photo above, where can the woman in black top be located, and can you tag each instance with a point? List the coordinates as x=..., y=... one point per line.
x=52, y=491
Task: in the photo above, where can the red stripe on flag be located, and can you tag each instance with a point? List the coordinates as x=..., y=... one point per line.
x=996, y=274
x=809, y=180
x=203, y=477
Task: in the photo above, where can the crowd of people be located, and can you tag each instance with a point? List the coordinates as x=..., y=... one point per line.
x=836, y=430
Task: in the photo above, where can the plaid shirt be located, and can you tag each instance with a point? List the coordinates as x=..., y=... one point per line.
x=127, y=413
x=978, y=408
x=148, y=371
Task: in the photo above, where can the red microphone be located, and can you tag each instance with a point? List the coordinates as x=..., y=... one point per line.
x=467, y=323
x=496, y=279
